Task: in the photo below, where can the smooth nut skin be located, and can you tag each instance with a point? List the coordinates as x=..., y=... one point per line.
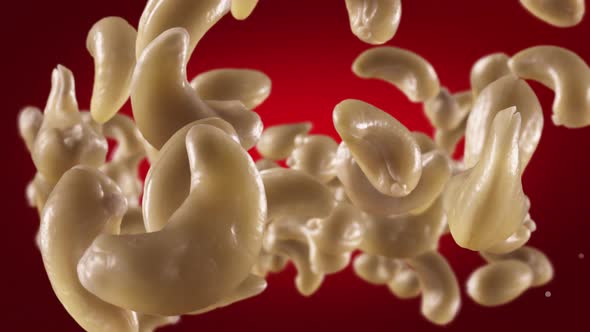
x=425, y=142
x=503, y=93
x=539, y=263
x=374, y=21
x=277, y=142
x=206, y=249
x=406, y=70
x=499, y=282
x=486, y=203
x=30, y=120
x=250, y=87
x=314, y=155
x=444, y=111
x=436, y=171
x=382, y=147
x=241, y=9
x=404, y=236
x=405, y=283
x=150, y=323
x=376, y=270
x=83, y=204
x=111, y=42
x=566, y=74
x=515, y=241
x=559, y=13
x=247, y=124
x=448, y=139
x=196, y=17
x=488, y=69
x=251, y=286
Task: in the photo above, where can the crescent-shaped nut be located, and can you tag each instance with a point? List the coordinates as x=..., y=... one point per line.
x=444, y=111
x=374, y=21
x=277, y=142
x=382, y=147
x=503, y=93
x=406, y=70
x=499, y=282
x=559, y=13
x=565, y=73
x=376, y=270
x=196, y=17
x=441, y=298
x=314, y=155
x=111, y=42
x=488, y=69
x=30, y=120
x=241, y=9
x=206, y=249
x=539, y=263
x=250, y=87
x=247, y=124
x=66, y=232
x=486, y=204
x=405, y=283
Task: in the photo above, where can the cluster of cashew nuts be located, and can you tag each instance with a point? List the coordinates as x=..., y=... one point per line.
x=212, y=223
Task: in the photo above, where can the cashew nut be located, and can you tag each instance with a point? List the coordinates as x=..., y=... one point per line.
x=374, y=21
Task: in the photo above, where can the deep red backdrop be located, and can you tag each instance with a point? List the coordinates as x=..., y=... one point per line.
x=307, y=49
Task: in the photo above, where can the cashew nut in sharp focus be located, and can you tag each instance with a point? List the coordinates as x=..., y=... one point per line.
x=277, y=142
x=241, y=9
x=559, y=13
x=250, y=87
x=314, y=155
x=383, y=148
x=505, y=92
x=196, y=17
x=535, y=259
x=374, y=21
x=486, y=204
x=374, y=269
x=499, y=282
x=441, y=298
x=436, y=171
x=488, y=69
x=404, y=236
x=444, y=112
x=207, y=248
x=405, y=283
x=566, y=74
x=515, y=241
x=247, y=124
x=83, y=204
x=406, y=70
x=111, y=42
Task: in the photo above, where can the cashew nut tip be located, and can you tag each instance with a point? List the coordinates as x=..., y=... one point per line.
x=241, y=9
x=499, y=282
x=488, y=69
x=374, y=21
x=559, y=13
x=277, y=142
x=247, y=124
x=30, y=120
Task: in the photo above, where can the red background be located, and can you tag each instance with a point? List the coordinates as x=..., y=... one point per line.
x=306, y=47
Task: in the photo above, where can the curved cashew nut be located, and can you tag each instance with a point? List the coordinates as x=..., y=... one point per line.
x=250, y=87
x=111, y=42
x=505, y=92
x=153, y=272
x=499, y=282
x=535, y=259
x=374, y=21
x=486, y=204
x=406, y=70
x=405, y=283
x=374, y=269
x=383, y=148
x=314, y=155
x=66, y=232
x=488, y=69
x=277, y=142
x=241, y=9
x=247, y=124
x=559, y=13
x=441, y=298
x=444, y=111
x=565, y=73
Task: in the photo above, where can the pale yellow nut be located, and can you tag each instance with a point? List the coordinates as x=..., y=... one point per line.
x=263, y=164
x=38, y=191
x=425, y=142
x=488, y=69
x=562, y=71
x=61, y=110
x=499, y=282
x=247, y=124
x=559, y=13
x=277, y=142
x=503, y=93
x=251, y=87
x=30, y=120
x=162, y=99
x=441, y=298
x=539, y=263
x=83, y=204
x=374, y=21
x=111, y=42
x=196, y=17
x=436, y=171
x=168, y=184
x=291, y=193
x=241, y=9
x=405, y=283
x=376, y=270
x=314, y=155
x=382, y=147
x=444, y=111
x=486, y=204
x=515, y=241
x=206, y=249
x=406, y=70
x=404, y=236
